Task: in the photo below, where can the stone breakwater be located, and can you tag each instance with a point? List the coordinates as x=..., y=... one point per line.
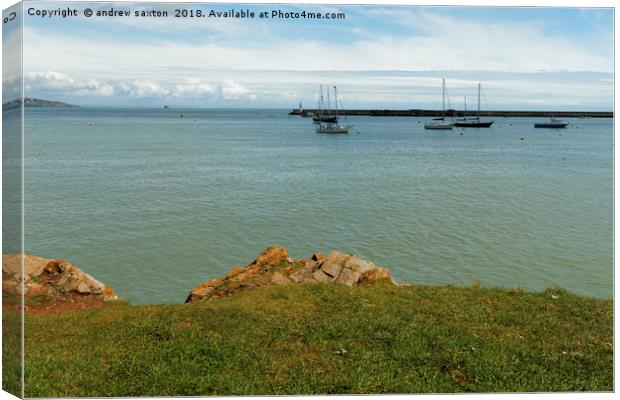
x=274, y=267
x=59, y=285
x=463, y=113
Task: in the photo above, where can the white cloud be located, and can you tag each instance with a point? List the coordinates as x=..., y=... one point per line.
x=356, y=89
x=62, y=83
x=230, y=90
x=279, y=71
x=141, y=88
x=441, y=43
x=65, y=85
x=193, y=89
x=49, y=80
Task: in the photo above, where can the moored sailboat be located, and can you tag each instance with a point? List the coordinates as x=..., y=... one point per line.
x=329, y=126
x=553, y=123
x=324, y=113
x=473, y=122
x=440, y=125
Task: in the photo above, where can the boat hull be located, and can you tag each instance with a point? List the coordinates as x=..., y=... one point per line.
x=325, y=118
x=474, y=124
x=552, y=125
x=333, y=129
x=441, y=127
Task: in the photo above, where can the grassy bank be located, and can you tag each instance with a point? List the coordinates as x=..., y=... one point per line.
x=326, y=339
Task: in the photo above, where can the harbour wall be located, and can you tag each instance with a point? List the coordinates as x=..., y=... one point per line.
x=461, y=113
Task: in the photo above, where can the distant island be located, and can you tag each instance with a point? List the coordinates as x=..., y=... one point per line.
x=33, y=102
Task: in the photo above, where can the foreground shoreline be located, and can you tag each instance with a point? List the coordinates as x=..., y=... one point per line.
x=362, y=335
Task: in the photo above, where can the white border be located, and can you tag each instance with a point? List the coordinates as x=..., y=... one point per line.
x=457, y=3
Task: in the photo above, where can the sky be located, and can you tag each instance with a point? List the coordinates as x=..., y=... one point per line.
x=378, y=56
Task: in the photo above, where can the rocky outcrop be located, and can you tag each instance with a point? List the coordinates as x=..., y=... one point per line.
x=55, y=280
x=274, y=267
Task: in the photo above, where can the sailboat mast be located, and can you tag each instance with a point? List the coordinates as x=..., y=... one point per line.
x=443, y=97
x=478, y=101
x=329, y=104
x=321, y=102
x=336, y=100
x=465, y=99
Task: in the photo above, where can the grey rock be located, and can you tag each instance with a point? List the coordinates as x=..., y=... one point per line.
x=322, y=277
x=331, y=268
x=348, y=277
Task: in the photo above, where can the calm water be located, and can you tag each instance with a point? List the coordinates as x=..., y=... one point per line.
x=154, y=204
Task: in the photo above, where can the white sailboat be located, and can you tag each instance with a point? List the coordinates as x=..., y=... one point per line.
x=441, y=125
x=329, y=127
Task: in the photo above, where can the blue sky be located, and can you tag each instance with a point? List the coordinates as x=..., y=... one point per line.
x=526, y=58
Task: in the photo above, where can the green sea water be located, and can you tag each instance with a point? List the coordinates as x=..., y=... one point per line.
x=153, y=203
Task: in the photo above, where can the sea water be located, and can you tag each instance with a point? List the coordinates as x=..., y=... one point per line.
x=156, y=201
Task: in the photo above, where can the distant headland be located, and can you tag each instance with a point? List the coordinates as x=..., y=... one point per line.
x=33, y=102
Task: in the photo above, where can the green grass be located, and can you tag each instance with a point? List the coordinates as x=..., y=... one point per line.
x=11, y=351
x=313, y=339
